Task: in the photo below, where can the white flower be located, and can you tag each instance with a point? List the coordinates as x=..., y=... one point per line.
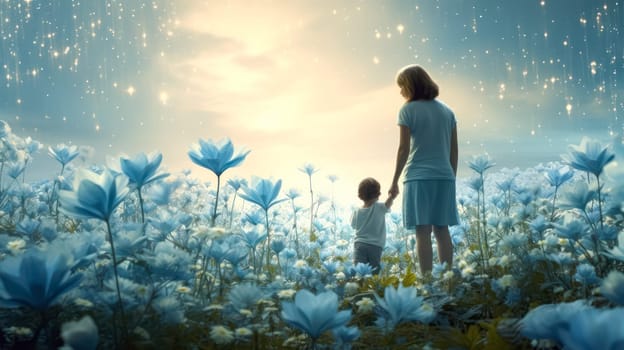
x=246, y=312
x=83, y=302
x=300, y=264
x=448, y=275
x=342, y=243
x=19, y=331
x=183, y=289
x=507, y=281
x=340, y=276
x=286, y=293
x=221, y=335
x=365, y=305
x=16, y=246
x=242, y=332
x=213, y=307
x=395, y=269
x=351, y=288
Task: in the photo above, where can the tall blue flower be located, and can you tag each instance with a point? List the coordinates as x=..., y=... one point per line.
x=559, y=176
x=94, y=195
x=264, y=194
x=36, y=280
x=589, y=156
x=216, y=157
x=481, y=163
x=142, y=170
x=314, y=314
x=63, y=153
x=400, y=305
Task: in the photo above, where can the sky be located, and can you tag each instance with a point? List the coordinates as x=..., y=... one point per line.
x=308, y=82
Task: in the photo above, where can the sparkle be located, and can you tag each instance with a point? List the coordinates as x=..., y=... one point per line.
x=163, y=97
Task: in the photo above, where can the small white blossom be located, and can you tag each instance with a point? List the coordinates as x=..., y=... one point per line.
x=221, y=335
x=365, y=305
x=16, y=246
x=300, y=264
x=351, y=288
x=242, y=332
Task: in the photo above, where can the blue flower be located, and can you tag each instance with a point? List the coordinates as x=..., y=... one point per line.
x=253, y=238
x=263, y=193
x=586, y=274
x=613, y=287
x=578, y=197
x=557, y=177
x=546, y=321
x=572, y=229
x=314, y=314
x=237, y=183
x=142, y=170
x=308, y=169
x=94, y=195
x=81, y=334
x=170, y=310
x=481, y=163
x=400, y=305
x=362, y=270
x=589, y=156
x=476, y=183
x=216, y=156
x=245, y=296
x=344, y=336
x=594, y=329
x=63, y=153
x=36, y=280
x=277, y=245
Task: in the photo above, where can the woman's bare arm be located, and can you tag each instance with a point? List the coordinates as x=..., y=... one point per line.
x=402, y=154
x=454, y=151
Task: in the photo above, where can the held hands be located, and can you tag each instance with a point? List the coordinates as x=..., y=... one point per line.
x=394, y=191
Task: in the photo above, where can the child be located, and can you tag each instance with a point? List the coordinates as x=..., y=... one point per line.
x=369, y=223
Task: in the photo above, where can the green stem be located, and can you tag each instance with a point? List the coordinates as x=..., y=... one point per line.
x=268, y=250
x=119, y=300
x=141, y=205
x=214, y=213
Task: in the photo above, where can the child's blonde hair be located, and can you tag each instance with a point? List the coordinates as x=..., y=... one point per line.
x=417, y=83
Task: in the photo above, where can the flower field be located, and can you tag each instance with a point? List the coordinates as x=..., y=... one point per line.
x=127, y=256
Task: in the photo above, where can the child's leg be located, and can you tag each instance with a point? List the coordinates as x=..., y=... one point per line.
x=423, y=246
x=359, y=253
x=445, y=245
x=374, y=258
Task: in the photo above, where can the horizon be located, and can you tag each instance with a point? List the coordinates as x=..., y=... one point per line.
x=299, y=82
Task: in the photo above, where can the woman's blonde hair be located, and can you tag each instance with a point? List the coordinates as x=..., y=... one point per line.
x=416, y=83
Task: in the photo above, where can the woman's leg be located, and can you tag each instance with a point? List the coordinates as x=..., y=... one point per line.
x=423, y=246
x=445, y=245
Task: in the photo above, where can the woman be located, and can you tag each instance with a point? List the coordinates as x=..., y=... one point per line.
x=427, y=158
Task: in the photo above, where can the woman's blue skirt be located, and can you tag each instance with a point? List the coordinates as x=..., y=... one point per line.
x=429, y=202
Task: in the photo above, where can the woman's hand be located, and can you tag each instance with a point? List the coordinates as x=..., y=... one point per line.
x=394, y=191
